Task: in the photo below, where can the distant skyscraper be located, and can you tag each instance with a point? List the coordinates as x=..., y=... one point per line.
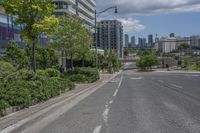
x=140, y=45
x=172, y=35
x=144, y=43
x=150, y=41
x=126, y=40
x=133, y=41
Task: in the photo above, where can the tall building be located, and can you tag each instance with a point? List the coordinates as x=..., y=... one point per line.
x=195, y=41
x=8, y=31
x=126, y=40
x=172, y=35
x=110, y=36
x=85, y=9
x=169, y=44
x=133, y=41
x=150, y=41
x=142, y=43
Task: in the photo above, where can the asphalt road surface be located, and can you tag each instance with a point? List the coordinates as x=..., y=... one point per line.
x=133, y=103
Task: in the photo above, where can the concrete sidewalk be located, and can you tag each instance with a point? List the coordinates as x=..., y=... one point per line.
x=17, y=119
x=177, y=71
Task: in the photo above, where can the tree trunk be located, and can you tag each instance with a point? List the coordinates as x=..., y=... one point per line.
x=33, y=57
x=62, y=58
x=66, y=61
x=71, y=61
x=83, y=62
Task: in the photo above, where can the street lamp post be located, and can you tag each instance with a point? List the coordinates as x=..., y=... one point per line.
x=115, y=7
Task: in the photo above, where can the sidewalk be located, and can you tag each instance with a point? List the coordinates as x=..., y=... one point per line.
x=17, y=119
x=176, y=71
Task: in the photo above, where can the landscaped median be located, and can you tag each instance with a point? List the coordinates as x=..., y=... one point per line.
x=22, y=88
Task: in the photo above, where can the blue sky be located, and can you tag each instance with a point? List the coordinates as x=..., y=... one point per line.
x=183, y=24
x=143, y=17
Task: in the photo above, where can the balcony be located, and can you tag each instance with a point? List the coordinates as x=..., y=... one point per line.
x=88, y=5
x=66, y=1
x=86, y=11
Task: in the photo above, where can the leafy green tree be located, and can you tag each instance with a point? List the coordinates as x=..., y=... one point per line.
x=35, y=16
x=45, y=57
x=147, y=61
x=83, y=47
x=71, y=37
x=16, y=56
x=183, y=47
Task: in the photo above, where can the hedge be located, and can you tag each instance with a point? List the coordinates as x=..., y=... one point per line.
x=24, y=88
x=84, y=74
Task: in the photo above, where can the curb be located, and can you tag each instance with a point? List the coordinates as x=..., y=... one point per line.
x=41, y=112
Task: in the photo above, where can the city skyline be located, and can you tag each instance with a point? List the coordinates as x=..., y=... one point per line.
x=141, y=18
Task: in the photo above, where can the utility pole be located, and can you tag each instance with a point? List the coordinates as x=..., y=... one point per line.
x=95, y=30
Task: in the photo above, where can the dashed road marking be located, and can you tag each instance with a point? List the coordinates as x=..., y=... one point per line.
x=97, y=129
x=177, y=86
x=111, y=102
x=161, y=81
x=137, y=78
x=120, y=82
x=115, y=94
x=105, y=115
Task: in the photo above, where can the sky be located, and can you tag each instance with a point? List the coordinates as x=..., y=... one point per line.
x=162, y=17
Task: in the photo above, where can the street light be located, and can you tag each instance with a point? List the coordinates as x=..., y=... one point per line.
x=116, y=11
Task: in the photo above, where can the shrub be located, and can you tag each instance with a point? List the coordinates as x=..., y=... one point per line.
x=83, y=74
x=52, y=72
x=78, y=78
x=24, y=88
x=3, y=105
x=5, y=69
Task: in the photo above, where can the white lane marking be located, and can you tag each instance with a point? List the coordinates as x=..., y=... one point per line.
x=97, y=129
x=137, y=78
x=161, y=81
x=111, y=102
x=177, y=86
x=105, y=115
x=115, y=94
x=120, y=82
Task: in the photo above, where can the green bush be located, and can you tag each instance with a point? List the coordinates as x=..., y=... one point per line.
x=24, y=88
x=83, y=74
x=5, y=69
x=78, y=78
x=3, y=105
x=52, y=72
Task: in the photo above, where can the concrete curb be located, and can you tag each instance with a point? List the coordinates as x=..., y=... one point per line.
x=13, y=121
x=181, y=72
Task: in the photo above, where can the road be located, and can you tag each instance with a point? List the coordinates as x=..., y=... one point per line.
x=132, y=103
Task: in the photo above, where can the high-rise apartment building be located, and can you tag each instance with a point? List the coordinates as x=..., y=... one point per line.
x=126, y=40
x=85, y=9
x=150, y=41
x=110, y=36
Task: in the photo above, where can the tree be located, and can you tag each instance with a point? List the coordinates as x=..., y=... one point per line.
x=147, y=61
x=45, y=57
x=183, y=47
x=35, y=17
x=71, y=37
x=16, y=56
x=83, y=48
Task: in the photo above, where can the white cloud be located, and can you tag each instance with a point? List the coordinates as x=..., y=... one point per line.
x=132, y=25
x=149, y=7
